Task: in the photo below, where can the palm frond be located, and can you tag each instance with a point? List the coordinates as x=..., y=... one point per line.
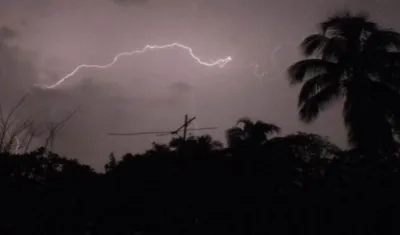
x=334, y=49
x=234, y=135
x=381, y=62
x=244, y=120
x=386, y=69
x=308, y=67
x=234, y=131
x=320, y=101
x=346, y=25
x=267, y=128
x=383, y=40
x=390, y=59
x=247, y=124
x=313, y=85
x=334, y=20
x=312, y=44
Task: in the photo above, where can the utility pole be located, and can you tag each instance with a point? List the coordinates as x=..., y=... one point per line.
x=185, y=126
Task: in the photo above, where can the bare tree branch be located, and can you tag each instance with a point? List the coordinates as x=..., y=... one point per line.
x=31, y=133
x=6, y=126
x=55, y=128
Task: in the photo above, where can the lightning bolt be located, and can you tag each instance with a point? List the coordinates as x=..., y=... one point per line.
x=18, y=144
x=220, y=62
x=256, y=71
x=272, y=58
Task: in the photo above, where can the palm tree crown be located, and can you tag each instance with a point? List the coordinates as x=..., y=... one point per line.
x=355, y=59
x=247, y=131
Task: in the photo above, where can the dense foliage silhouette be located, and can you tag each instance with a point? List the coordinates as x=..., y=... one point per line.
x=294, y=184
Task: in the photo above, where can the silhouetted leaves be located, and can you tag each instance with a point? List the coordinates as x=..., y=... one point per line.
x=352, y=58
x=300, y=181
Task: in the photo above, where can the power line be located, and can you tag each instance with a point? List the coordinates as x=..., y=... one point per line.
x=183, y=128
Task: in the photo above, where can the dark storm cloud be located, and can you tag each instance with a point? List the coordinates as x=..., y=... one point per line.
x=7, y=33
x=17, y=71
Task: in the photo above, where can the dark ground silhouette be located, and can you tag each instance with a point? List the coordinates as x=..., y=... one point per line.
x=298, y=184
x=295, y=184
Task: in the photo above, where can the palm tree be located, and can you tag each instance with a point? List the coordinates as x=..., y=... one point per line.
x=357, y=60
x=248, y=132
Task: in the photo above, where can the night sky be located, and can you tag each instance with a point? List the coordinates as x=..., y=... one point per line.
x=43, y=40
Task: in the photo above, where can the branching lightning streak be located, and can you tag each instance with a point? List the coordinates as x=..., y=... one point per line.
x=220, y=62
x=256, y=71
x=18, y=145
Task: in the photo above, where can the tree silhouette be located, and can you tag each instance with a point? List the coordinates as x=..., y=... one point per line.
x=111, y=164
x=308, y=147
x=248, y=132
x=355, y=59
